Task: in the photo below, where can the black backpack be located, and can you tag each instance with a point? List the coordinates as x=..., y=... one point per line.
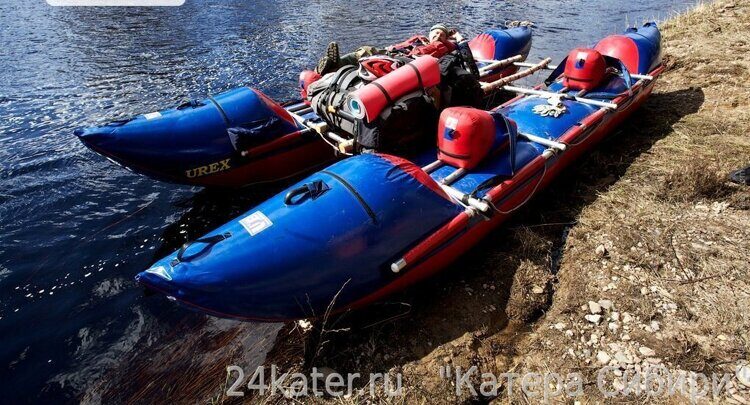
x=406, y=126
x=459, y=80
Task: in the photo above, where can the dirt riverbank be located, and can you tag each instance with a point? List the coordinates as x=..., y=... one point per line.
x=638, y=255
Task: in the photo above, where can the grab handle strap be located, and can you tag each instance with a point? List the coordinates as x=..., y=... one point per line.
x=209, y=241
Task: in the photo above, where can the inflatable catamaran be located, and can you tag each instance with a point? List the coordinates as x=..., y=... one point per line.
x=242, y=137
x=375, y=223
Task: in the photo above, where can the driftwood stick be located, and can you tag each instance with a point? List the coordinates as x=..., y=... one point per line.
x=494, y=64
x=490, y=87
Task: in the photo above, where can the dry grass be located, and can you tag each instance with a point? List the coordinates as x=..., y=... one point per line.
x=677, y=233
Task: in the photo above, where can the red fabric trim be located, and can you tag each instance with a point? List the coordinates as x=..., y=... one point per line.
x=622, y=48
x=436, y=239
x=483, y=46
x=277, y=109
x=415, y=171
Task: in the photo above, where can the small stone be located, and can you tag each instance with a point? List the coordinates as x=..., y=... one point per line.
x=537, y=290
x=603, y=357
x=654, y=326
x=601, y=251
x=721, y=337
x=625, y=337
x=626, y=318
x=613, y=326
x=743, y=374
x=594, y=307
x=646, y=351
x=606, y=304
x=569, y=333
x=622, y=358
x=593, y=318
x=559, y=326
x=615, y=316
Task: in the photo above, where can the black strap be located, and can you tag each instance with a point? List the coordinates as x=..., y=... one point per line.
x=223, y=113
x=313, y=190
x=419, y=75
x=348, y=79
x=453, y=155
x=512, y=139
x=468, y=58
x=190, y=104
x=557, y=72
x=356, y=195
x=209, y=241
x=385, y=93
x=334, y=84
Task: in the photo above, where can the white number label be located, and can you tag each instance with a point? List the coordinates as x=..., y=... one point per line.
x=255, y=223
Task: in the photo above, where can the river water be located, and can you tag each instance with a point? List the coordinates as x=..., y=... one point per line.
x=75, y=229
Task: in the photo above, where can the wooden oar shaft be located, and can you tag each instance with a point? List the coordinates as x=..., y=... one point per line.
x=494, y=64
x=489, y=87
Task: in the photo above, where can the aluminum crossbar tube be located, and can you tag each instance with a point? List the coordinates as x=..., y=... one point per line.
x=433, y=166
x=336, y=137
x=451, y=178
x=298, y=118
x=302, y=111
x=297, y=108
x=553, y=67
x=465, y=199
x=544, y=141
x=547, y=94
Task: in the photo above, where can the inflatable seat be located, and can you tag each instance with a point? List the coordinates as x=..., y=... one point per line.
x=465, y=136
x=585, y=69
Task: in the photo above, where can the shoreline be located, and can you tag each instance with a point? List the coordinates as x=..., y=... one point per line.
x=645, y=232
